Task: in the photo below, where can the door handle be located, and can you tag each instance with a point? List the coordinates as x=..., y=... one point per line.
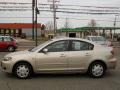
x=62, y=55
x=87, y=54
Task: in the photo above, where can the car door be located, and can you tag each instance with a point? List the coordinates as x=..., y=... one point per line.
x=55, y=59
x=6, y=41
x=1, y=42
x=80, y=54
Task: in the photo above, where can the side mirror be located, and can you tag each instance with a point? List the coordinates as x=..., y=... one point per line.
x=45, y=50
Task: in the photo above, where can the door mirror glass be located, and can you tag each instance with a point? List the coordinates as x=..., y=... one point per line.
x=45, y=50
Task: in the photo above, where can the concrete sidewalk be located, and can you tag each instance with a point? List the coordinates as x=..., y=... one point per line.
x=24, y=40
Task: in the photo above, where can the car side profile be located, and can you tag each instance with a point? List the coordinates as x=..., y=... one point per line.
x=8, y=43
x=61, y=55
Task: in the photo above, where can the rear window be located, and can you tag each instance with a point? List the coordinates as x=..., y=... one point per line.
x=0, y=39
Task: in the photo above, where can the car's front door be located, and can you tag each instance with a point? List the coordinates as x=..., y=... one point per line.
x=80, y=54
x=1, y=43
x=55, y=59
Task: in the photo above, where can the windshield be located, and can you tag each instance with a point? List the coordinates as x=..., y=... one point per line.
x=38, y=47
x=98, y=39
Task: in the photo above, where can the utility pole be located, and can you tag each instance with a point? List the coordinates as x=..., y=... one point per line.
x=54, y=16
x=66, y=26
x=33, y=8
x=114, y=28
x=36, y=26
x=54, y=7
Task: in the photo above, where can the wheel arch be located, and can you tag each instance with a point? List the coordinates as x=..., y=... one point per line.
x=98, y=60
x=22, y=61
x=10, y=46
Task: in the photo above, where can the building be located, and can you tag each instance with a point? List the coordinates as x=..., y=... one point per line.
x=18, y=29
x=82, y=32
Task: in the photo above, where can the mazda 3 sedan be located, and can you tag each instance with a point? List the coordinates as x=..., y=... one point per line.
x=61, y=55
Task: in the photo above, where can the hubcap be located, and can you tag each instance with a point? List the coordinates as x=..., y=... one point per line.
x=97, y=70
x=11, y=49
x=22, y=71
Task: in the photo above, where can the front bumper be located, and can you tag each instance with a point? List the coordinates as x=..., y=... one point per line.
x=6, y=66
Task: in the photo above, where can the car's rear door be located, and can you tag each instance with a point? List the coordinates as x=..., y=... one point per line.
x=80, y=54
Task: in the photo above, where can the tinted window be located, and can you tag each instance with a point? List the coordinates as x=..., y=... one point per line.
x=80, y=45
x=7, y=39
x=0, y=39
x=58, y=46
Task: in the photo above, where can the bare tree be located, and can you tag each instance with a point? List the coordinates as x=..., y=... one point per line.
x=67, y=23
x=49, y=25
x=92, y=24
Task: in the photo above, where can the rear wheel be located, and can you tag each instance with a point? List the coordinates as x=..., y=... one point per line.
x=22, y=70
x=11, y=48
x=97, y=69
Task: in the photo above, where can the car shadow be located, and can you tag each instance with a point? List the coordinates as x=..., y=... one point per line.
x=61, y=76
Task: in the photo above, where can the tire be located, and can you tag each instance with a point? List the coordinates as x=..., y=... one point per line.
x=22, y=70
x=97, y=70
x=11, y=48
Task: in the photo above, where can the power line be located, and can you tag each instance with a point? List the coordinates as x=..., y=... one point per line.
x=82, y=12
x=62, y=11
x=25, y=8
x=63, y=18
x=21, y=3
x=14, y=3
x=15, y=7
x=82, y=6
x=92, y=10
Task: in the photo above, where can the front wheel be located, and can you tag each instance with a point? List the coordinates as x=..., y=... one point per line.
x=97, y=70
x=22, y=70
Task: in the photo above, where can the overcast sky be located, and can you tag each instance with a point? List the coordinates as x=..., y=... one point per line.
x=81, y=19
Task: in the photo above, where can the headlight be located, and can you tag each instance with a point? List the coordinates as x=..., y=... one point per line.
x=7, y=58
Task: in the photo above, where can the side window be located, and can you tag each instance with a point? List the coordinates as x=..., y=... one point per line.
x=7, y=39
x=1, y=39
x=80, y=46
x=58, y=46
x=11, y=39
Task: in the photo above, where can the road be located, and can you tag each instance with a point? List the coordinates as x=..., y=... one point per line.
x=111, y=81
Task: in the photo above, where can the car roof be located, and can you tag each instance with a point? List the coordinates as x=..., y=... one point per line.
x=69, y=38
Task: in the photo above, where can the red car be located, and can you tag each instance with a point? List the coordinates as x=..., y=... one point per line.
x=8, y=43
